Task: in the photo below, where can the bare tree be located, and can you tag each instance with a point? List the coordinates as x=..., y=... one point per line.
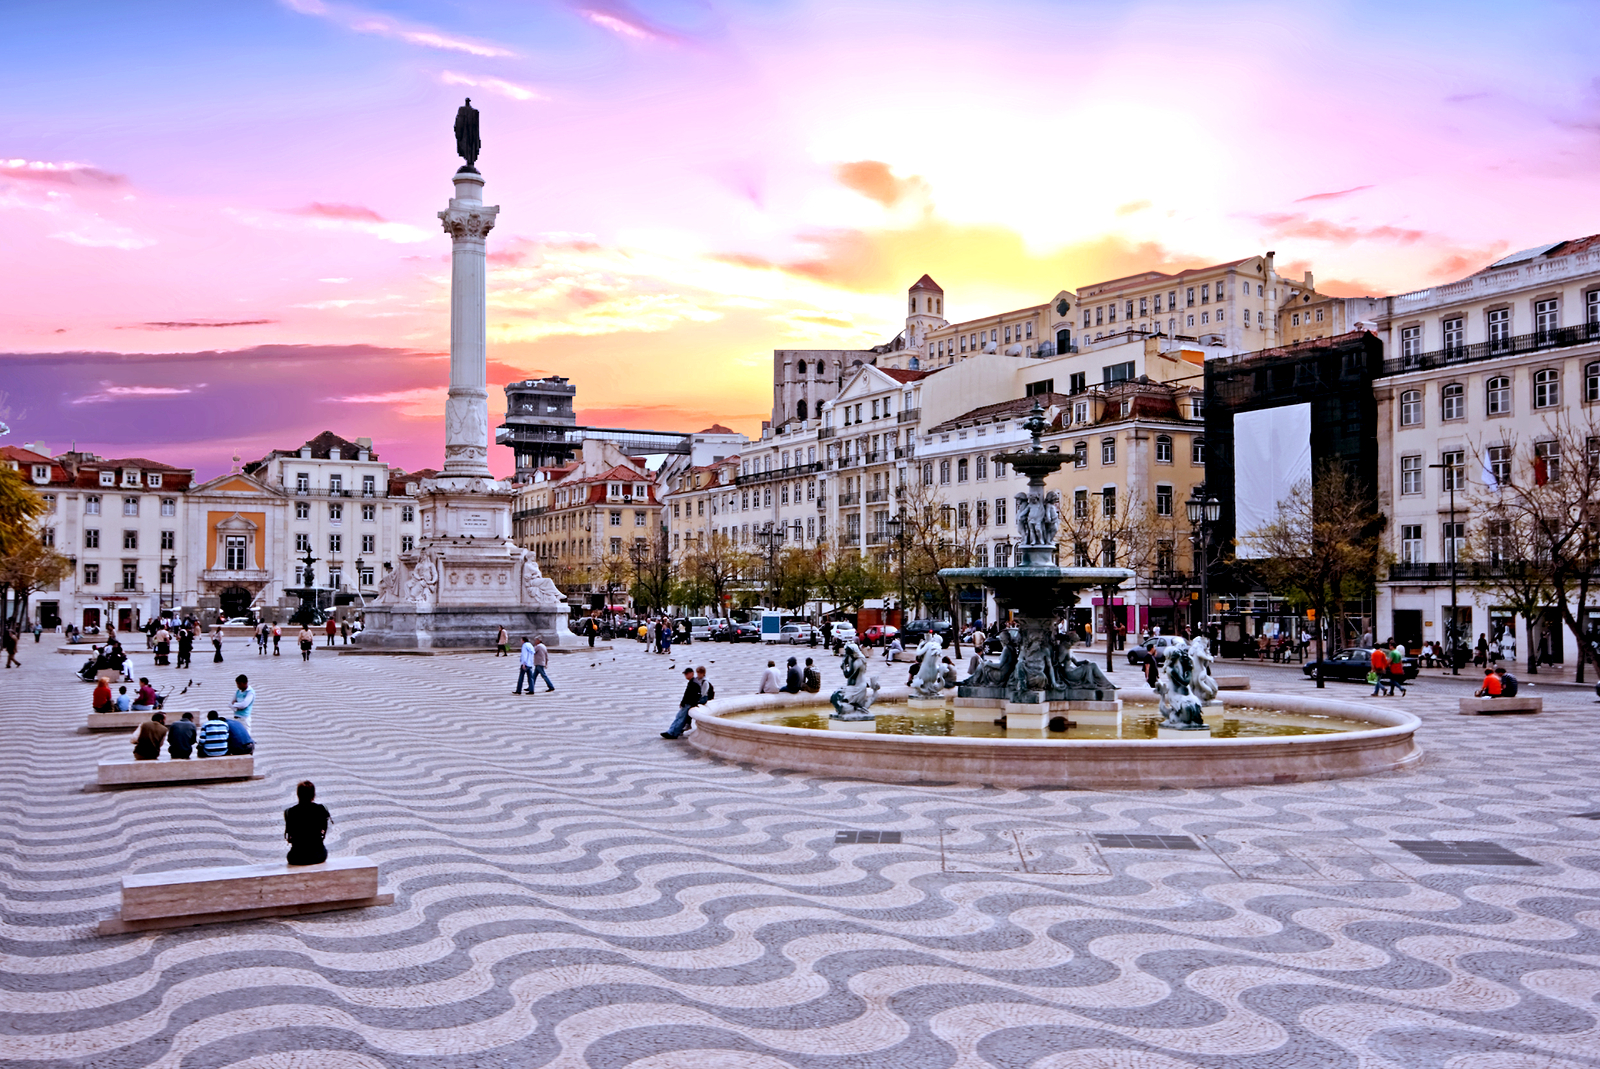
x=716, y=561
x=1548, y=492
x=1321, y=545
x=1511, y=566
x=1098, y=530
x=936, y=536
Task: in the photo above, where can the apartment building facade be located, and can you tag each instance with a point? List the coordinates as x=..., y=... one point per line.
x=1483, y=378
x=583, y=519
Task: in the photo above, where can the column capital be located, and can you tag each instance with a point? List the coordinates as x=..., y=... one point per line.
x=468, y=224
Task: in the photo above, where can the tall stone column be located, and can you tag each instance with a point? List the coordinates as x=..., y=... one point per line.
x=466, y=414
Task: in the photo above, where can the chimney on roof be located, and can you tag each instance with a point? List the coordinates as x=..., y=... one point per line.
x=1310, y=285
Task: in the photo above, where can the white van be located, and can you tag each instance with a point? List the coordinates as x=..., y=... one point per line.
x=700, y=628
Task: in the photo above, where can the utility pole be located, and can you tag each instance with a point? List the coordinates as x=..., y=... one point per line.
x=1453, y=626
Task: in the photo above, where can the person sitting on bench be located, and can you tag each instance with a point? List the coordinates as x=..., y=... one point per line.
x=214, y=736
x=146, y=698
x=1508, y=683
x=1491, y=685
x=305, y=827
x=239, y=741
x=124, y=700
x=147, y=742
x=180, y=738
x=102, y=701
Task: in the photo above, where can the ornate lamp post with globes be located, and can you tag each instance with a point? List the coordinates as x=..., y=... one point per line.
x=1204, y=511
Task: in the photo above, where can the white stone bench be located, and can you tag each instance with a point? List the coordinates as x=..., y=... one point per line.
x=244, y=892
x=156, y=773
x=128, y=721
x=1232, y=682
x=1501, y=705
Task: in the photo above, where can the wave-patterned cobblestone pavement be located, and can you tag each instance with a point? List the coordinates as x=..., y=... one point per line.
x=573, y=891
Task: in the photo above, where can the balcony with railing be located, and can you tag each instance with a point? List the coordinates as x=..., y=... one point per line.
x=1464, y=571
x=1538, y=341
x=776, y=474
x=909, y=415
x=846, y=500
x=826, y=432
x=872, y=458
x=878, y=538
x=875, y=497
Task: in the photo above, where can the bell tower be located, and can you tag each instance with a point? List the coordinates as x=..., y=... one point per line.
x=925, y=312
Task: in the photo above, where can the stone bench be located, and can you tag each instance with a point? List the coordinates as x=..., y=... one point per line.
x=132, y=773
x=129, y=721
x=1501, y=705
x=1232, y=682
x=188, y=897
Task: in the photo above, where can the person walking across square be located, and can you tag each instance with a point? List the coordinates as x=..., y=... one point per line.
x=1397, y=667
x=541, y=662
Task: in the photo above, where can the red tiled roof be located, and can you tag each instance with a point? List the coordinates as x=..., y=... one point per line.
x=907, y=375
x=926, y=283
x=716, y=428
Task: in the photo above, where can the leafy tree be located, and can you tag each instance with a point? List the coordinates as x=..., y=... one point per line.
x=796, y=581
x=846, y=579
x=934, y=540
x=719, y=564
x=26, y=564
x=1321, y=546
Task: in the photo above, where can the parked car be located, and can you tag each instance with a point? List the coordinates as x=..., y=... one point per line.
x=879, y=634
x=700, y=628
x=839, y=631
x=795, y=634
x=1139, y=652
x=1352, y=665
x=912, y=636
x=737, y=633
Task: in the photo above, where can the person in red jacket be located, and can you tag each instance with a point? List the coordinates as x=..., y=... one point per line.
x=1380, y=665
x=102, y=701
x=1491, y=685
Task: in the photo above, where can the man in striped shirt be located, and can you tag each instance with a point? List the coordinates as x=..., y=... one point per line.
x=213, y=736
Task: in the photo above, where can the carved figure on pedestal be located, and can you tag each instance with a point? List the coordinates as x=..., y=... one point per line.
x=1076, y=675
x=536, y=589
x=423, y=586
x=996, y=672
x=387, y=585
x=1179, y=707
x=1024, y=519
x=1205, y=686
x=1050, y=520
x=930, y=673
x=468, y=144
x=853, y=701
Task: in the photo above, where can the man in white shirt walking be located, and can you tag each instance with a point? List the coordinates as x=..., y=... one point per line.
x=535, y=658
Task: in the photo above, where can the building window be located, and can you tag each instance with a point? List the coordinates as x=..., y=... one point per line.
x=1080, y=504
x=169, y=540
x=1455, y=335
x=302, y=510
x=1497, y=464
x=130, y=577
x=335, y=513
x=1294, y=319
x=407, y=514
x=369, y=543
x=130, y=506
x=1197, y=451
x=168, y=575
x=1190, y=295
x=1497, y=395
x=47, y=536
x=233, y=553
x=981, y=513
x=981, y=467
x=944, y=472
x=961, y=470
x=335, y=543
x=1499, y=329
x=91, y=538
x=1546, y=388
x=369, y=485
x=999, y=512
x=1116, y=372
x=108, y=478
x=91, y=505
x=169, y=506
x=1411, y=408
x=91, y=575
x=1108, y=501
x=1410, y=343
x=369, y=512
x=1163, y=449
x=963, y=514
x=1546, y=462
x=1108, y=553
x=302, y=482
x=1411, y=543
x=1108, y=451
x=1453, y=401
x=336, y=484
x=302, y=543
x=1546, y=317
x=130, y=539
x=1453, y=474
x=616, y=518
x=639, y=519
x=1163, y=500
x=1411, y=475
x=1591, y=382
x=1454, y=539
x=407, y=543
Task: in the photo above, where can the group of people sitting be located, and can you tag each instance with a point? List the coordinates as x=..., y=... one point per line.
x=217, y=737
x=792, y=681
x=1497, y=683
x=145, y=698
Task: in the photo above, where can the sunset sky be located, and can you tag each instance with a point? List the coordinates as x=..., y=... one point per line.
x=219, y=219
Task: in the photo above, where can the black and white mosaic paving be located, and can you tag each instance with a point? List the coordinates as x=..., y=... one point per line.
x=572, y=891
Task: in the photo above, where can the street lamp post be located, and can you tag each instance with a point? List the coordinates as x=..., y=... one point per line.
x=897, y=530
x=767, y=535
x=636, y=554
x=1450, y=552
x=1204, y=510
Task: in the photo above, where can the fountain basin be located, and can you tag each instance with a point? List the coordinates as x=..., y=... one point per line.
x=1133, y=764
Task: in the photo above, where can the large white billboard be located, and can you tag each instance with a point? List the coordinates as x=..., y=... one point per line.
x=1271, y=452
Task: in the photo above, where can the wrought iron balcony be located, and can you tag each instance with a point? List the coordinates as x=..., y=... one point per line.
x=846, y=500
x=876, y=496
x=1538, y=341
x=909, y=415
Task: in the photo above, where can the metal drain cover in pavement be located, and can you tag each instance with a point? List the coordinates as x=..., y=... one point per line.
x=1468, y=852
x=1146, y=842
x=866, y=837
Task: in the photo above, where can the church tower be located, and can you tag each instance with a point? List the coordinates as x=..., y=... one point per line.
x=925, y=304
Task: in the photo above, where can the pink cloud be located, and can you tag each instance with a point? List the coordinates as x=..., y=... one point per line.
x=59, y=173
x=1299, y=225
x=340, y=211
x=366, y=22
x=1332, y=196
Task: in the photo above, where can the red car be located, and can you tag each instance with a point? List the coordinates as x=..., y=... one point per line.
x=879, y=634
